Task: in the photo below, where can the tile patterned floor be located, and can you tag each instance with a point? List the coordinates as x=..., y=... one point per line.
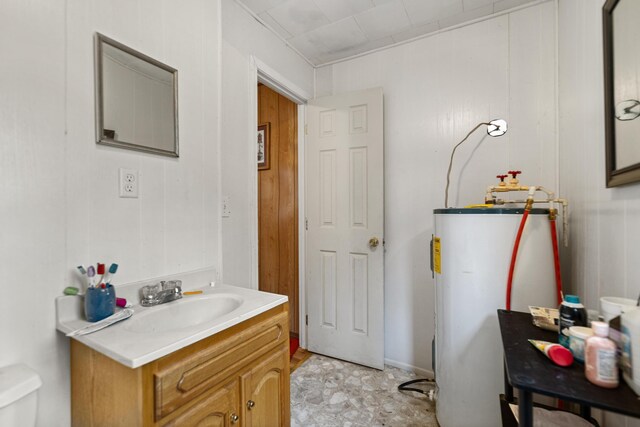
x=327, y=392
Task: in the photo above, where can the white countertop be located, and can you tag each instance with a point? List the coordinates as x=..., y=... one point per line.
x=134, y=349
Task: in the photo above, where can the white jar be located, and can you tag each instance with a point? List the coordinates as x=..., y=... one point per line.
x=577, y=338
x=630, y=360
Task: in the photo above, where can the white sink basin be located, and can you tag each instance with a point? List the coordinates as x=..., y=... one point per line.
x=154, y=332
x=185, y=313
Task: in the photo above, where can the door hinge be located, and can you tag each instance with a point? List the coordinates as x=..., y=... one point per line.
x=306, y=223
x=306, y=129
x=306, y=320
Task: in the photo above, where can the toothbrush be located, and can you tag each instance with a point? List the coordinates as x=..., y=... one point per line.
x=72, y=290
x=91, y=272
x=109, y=275
x=100, y=272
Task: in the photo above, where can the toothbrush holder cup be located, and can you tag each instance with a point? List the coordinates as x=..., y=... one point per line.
x=99, y=303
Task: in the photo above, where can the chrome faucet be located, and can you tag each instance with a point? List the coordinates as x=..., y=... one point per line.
x=160, y=293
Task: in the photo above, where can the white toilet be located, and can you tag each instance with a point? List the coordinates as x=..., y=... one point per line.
x=18, y=397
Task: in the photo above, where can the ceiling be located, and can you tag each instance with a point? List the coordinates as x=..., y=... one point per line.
x=324, y=31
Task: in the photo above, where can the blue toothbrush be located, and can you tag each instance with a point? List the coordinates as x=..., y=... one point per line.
x=108, y=276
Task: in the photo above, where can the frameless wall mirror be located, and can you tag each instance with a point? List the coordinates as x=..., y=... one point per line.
x=622, y=90
x=136, y=100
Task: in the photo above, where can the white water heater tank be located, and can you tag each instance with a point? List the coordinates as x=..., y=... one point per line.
x=475, y=247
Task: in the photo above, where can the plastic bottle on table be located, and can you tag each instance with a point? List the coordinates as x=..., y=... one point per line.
x=631, y=349
x=571, y=313
x=600, y=357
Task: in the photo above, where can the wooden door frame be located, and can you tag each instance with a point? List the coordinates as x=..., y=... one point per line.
x=261, y=73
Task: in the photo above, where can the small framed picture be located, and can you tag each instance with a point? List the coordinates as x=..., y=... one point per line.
x=264, y=146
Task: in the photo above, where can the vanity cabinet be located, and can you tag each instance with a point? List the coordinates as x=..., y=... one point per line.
x=218, y=408
x=266, y=385
x=237, y=377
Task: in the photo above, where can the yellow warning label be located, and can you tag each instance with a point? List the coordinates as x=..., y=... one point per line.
x=437, y=261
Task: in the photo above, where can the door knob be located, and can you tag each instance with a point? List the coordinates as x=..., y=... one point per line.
x=234, y=418
x=374, y=242
x=251, y=404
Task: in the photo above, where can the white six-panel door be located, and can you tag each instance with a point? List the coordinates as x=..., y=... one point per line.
x=345, y=224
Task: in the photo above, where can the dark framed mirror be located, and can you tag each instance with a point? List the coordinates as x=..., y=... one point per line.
x=621, y=33
x=136, y=100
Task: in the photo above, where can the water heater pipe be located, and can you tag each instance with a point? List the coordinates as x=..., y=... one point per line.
x=507, y=188
x=556, y=255
x=491, y=199
x=516, y=245
x=514, y=185
x=565, y=213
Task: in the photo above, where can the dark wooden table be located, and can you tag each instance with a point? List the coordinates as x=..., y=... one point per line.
x=528, y=370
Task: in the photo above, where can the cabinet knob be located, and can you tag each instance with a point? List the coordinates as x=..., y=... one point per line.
x=234, y=418
x=251, y=404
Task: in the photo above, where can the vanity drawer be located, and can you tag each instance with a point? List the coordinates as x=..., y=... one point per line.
x=187, y=373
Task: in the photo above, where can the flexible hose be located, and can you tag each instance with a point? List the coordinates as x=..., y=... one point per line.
x=514, y=255
x=405, y=386
x=556, y=258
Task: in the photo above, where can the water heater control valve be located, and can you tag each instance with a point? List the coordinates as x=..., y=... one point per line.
x=501, y=178
x=514, y=177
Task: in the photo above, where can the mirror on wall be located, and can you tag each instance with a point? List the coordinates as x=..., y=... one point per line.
x=622, y=90
x=136, y=100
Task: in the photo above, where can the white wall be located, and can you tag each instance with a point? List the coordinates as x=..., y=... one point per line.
x=59, y=200
x=436, y=90
x=33, y=263
x=173, y=226
x=605, y=231
x=243, y=38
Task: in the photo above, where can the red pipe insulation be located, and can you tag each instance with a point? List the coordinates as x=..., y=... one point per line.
x=556, y=259
x=556, y=262
x=514, y=255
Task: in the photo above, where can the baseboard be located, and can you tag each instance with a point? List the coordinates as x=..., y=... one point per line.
x=406, y=367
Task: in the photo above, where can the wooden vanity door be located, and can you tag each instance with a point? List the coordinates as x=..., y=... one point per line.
x=266, y=392
x=217, y=409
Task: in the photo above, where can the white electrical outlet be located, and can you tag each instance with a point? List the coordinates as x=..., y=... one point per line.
x=226, y=207
x=129, y=183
